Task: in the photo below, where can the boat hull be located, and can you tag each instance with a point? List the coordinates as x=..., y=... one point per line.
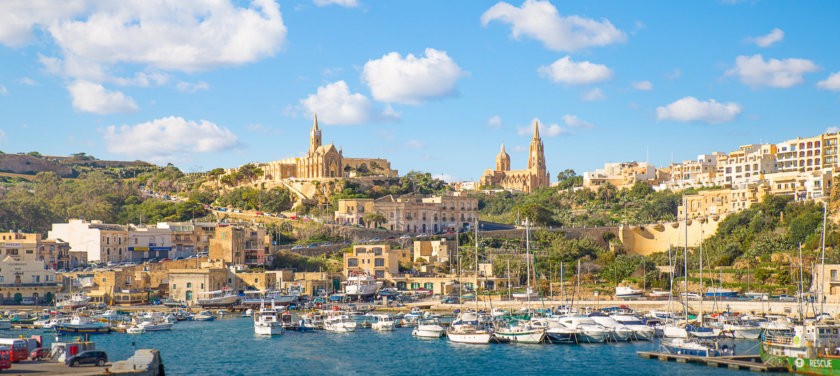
x=803, y=365
x=268, y=330
x=428, y=333
x=535, y=336
x=592, y=337
x=470, y=338
x=70, y=329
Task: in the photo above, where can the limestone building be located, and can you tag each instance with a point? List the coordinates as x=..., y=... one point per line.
x=527, y=180
x=323, y=161
x=411, y=213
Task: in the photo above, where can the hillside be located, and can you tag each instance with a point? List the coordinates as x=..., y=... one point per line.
x=69, y=166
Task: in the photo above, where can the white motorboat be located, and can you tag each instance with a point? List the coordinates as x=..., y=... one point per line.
x=697, y=347
x=624, y=292
x=248, y=313
x=135, y=330
x=741, y=330
x=204, y=316
x=641, y=331
x=340, y=323
x=588, y=330
x=520, y=332
x=687, y=330
x=219, y=298
x=529, y=294
x=383, y=322
x=361, y=284
x=618, y=332
x=659, y=295
x=267, y=321
x=428, y=329
x=73, y=302
x=152, y=326
x=466, y=329
x=555, y=332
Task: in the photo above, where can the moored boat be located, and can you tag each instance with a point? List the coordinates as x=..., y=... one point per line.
x=82, y=325
x=429, y=328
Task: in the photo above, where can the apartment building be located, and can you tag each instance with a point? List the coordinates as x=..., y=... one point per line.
x=747, y=165
x=621, y=175
x=434, y=251
x=378, y=260
x=189, y=238
x=238, y=244
x=26, y=280
x=412, y=213
x=808, y=154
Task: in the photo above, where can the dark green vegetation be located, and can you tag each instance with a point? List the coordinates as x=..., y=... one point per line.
x=564, y=206
x=32, y=206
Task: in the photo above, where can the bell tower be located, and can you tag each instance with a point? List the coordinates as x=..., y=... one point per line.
x=314, y=136
x=536, y=155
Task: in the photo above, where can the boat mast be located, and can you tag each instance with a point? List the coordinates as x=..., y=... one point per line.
x=563, y=282
x=801, y=286
x=475, y=285
x=685, y=259
x=671, y=284
x=528, y=261
x=508, y=278
x=822, y=260
x=701, y=269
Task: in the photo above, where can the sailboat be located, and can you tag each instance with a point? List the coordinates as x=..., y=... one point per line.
x=467, y=327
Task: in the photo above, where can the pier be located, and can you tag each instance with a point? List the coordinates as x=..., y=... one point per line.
x=743, y=362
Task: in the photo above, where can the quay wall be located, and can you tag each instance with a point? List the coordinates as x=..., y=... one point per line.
x=144, y=362
x=652, y=238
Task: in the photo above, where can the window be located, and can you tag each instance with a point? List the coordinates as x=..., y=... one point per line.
x=189, y=284
x=379, y=274
x=352, y=262
x=379, y=262
x=202, y=286
x=834, y=275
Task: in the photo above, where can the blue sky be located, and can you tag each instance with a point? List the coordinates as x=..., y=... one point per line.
x=434, y=86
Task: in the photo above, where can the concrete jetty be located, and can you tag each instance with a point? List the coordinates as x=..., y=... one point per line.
x=144, y=363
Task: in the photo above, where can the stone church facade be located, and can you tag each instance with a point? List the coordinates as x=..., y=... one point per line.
x=527, y=180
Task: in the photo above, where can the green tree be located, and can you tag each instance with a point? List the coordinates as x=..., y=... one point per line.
x=374, y=218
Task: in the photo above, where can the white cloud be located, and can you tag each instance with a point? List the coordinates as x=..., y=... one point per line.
x=344, y=3
x=189, y=87
x=574, y=121
x=335, y=105
x=19, y=17
x=3, y=90
x=831, y=83
x=754, y=71
x=593, y=95
x=28, y=81
x=767, y=40
x=550, y=130
x=173, y=35
x=495, y=122
x=93, y=97
x=168, y=139
x=541, y=21
x=642, y=85
x=674, y=74
x=414, y=144
x=566, y=71
x=691, y=109
x=412, y=80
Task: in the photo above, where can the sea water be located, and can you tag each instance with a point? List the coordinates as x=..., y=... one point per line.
x=230, y=347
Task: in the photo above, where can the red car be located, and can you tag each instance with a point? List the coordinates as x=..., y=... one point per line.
x=40, y=353
x=5, y=357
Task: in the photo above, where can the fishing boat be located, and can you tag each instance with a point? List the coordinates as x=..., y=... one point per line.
x=204, y=316
x=82, y=325
x=267, y=321
x=429, y=328
x=714, y=292
x=698, y=347
x=624, y=292
x=340, y=323
x=466, y=329
x=520, y=332
x=219, y=298
x=383, y=323
x=361, y=284
x=73, y=301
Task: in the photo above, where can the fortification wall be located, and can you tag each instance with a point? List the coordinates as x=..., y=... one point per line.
x=652, y=238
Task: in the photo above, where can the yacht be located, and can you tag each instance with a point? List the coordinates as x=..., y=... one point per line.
x=383, y=322
x=466, y=329
x=555, y=332
x=204, y=316
x=641, y=331
x=429, y=328
x=361, y=284
x=618, y=332
x=218, y=298
x=340, y=323
x=588, y=330
x=697, y=347
x=520, y=332
x=624, y=292
x=135, y=330
x=267, y=321
x=73, y=302
x=153, y=326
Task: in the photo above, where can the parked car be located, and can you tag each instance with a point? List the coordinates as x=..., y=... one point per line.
x=406, y=236
x=312, y=245
x=326, y=244
x=27, y=301
x=40, y=353
x=99, y=358
x=164, y=259
x=297, y=247
x=420, y=235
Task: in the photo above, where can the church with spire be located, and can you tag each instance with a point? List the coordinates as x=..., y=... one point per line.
x=535, y=176
x=324, y=161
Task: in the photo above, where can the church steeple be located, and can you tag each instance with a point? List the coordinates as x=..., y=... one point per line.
x=503, y=160
x=536, y=129
x=314, y=136
x=536, y=154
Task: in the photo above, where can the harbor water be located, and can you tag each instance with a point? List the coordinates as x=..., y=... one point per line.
x=230, y=347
